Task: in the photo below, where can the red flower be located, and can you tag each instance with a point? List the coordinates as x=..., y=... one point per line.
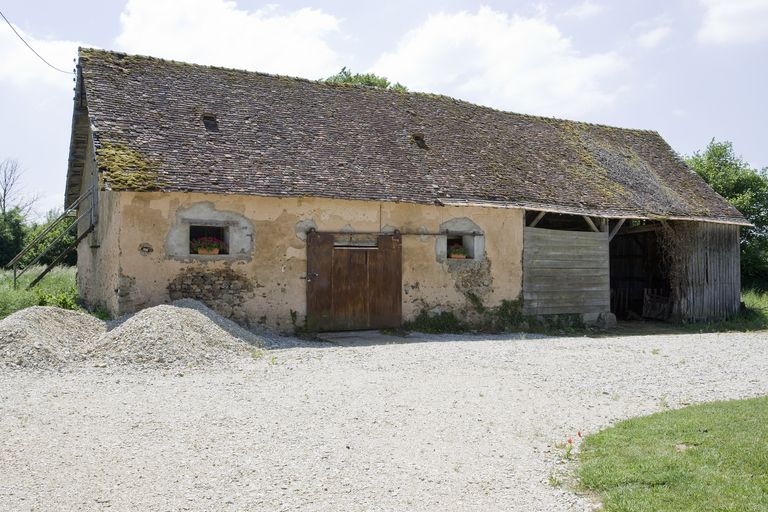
x=570, y=440
x=579, y=434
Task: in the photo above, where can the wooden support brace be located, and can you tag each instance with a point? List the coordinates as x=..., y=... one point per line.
x=591, y=224
x=616, y=229
x=537, y=219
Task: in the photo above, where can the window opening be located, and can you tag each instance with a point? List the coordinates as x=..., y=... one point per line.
x=210, y=122
x=208, y=240
x=353, y=241
x=457, y=249
x=418, y=138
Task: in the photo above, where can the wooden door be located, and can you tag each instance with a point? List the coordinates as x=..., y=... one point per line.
x=353, y=288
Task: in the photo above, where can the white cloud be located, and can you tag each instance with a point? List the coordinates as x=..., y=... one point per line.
x=217, y=32
x=21, y=68
x=522, y=64
x=584, y=10
x=653, y=37
x=734, y=21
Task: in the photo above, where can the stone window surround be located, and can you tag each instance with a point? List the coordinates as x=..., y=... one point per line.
x=241, y=233
x=226, y=225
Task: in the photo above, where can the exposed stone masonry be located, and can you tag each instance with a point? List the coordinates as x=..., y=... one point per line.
x=223, y=290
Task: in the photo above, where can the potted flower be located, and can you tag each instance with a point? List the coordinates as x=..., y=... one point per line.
x=207, y=245
x=457, y=252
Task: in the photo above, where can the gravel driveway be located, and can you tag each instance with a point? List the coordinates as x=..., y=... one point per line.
x=442, y=423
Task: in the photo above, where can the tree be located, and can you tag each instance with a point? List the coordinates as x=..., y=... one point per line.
x=746, y=189
x=66, y=240
x=345, y=76
x=10, y=189
x=13, y=233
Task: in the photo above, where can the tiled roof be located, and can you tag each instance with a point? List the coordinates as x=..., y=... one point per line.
x=280, y=136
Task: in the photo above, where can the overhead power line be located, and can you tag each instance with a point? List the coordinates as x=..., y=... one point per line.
x=33, y=50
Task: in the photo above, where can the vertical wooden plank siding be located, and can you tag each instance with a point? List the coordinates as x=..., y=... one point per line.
x=319, y=283
x=709, y=287
x=351, y=288
x=350, y=309
x=385, y=278
x=565, y=272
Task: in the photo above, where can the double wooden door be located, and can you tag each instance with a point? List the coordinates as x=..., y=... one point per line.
x=353, y=287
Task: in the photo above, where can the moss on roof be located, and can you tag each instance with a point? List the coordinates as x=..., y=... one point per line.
x=283, y=136
x=126, y=169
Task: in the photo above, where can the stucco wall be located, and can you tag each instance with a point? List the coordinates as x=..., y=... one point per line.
x=270, y=262
x=98, y=265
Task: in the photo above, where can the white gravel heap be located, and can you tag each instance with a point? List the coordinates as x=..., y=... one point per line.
x=186, y=333
x=46, y=337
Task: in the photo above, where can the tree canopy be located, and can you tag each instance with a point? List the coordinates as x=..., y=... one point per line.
x=746, y=189
x=345, y=76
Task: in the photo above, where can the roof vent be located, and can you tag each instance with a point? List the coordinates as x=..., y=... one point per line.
x=418, y=139
x=210, y=123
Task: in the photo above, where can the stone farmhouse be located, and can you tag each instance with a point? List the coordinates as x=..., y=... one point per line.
x=336, y=207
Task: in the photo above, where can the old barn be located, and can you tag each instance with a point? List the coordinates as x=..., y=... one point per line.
x=290, y=202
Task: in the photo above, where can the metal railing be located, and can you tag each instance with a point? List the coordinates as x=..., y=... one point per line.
x=70, y=213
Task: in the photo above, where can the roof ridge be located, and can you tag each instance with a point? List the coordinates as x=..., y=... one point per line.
x=377, y=90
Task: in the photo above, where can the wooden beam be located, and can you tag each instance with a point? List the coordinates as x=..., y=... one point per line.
x=616, y=229
x=604, y=224
x=537, y=219
x=639, y=229
x=591, y=224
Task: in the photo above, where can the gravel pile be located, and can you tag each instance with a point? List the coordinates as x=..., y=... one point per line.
x=186, y=333
x=46, y=337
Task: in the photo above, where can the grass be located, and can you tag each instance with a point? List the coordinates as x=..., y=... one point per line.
x=711, y=457
x=58, y=288
x=754, y=318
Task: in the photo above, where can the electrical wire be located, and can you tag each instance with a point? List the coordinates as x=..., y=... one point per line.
x=33, y=50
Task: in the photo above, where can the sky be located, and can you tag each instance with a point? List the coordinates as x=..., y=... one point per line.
x=692, y=70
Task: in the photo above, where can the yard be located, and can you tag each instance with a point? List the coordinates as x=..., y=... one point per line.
x=428, y=423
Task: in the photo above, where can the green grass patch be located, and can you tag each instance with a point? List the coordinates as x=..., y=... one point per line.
x=753, y=318
x=58, y=288
x=711, y=457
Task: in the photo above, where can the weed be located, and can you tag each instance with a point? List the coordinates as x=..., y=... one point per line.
x=56, y=289
x=443, y=322
x=101, y=314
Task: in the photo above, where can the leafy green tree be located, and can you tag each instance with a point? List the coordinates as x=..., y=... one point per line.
x=13, y=233
x=345, y=76
x=59, y=246
x=746, y=189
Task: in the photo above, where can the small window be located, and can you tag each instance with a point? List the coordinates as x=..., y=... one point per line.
x=458, y=248
x=355, y=241
x=418, y=139
x=208, y=240
x=210, y=122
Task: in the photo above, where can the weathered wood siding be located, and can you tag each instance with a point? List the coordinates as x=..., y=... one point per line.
x=565, y=272
x=709, y=283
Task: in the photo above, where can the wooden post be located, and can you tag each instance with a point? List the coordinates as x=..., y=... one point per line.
x=537, y=219
x=616, y=229
x=591, y=224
